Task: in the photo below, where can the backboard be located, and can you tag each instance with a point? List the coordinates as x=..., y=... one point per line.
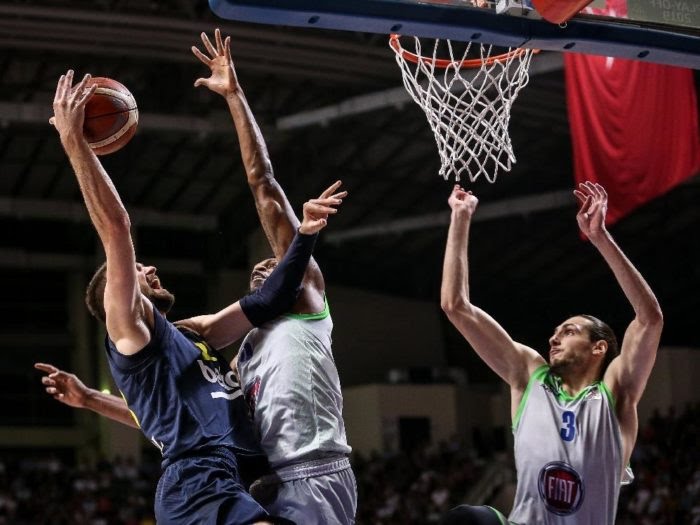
x=660, y=31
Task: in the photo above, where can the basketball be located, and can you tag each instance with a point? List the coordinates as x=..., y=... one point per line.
x=111, y=116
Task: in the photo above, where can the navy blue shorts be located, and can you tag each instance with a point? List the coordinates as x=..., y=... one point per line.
x=205, y=490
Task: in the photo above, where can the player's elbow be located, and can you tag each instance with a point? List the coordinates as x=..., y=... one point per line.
x=455, y=305
x=117, y=223
x=260, y=172
x=653, y=316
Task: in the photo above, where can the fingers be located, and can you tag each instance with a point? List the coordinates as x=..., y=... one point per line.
x=340, y=195
x=330, y=190
x=314, y=226
x=67, y=82
x=75, y=97
x=316, y=211
x=580, y=196
x=219, y=42
x=63, y=87
x=52, y=389
x=318, y=224
x=80, y=86
x=320, y=207
x=201, y=56
x=227, y=49
x=59, y=89
x=594, y=201
x=603, y=193
x=333, y=200
x=593, y=189
x=586, y=205
x=457, y=189
x=86, y=96
x=45, y=367
x=208, y=46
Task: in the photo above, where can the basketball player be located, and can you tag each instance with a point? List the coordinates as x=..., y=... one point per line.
x=179, y=390
x=287, y=367
x=574, y=419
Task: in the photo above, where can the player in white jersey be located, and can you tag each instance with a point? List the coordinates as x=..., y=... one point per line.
x=574, y=419
x=287, y=368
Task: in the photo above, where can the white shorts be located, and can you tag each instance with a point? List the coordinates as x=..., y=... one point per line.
x=319, y=492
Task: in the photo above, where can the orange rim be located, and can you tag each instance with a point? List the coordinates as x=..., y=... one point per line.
x=444, y=63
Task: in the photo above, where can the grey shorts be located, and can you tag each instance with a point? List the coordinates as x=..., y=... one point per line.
x=319, y=492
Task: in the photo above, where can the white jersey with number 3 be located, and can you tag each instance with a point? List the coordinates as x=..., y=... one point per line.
x=568, y=454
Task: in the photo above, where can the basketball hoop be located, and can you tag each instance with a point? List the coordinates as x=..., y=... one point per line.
x=467, y=102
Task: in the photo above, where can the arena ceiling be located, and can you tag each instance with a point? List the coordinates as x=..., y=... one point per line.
x=331, y=105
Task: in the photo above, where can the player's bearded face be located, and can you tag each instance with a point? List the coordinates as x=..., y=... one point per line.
x=570, y=346
x=161, y=298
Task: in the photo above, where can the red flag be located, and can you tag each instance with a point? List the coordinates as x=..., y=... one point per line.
x=634, y=126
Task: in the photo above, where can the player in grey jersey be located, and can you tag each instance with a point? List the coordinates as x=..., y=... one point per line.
x=287, y=368
x=574, y=419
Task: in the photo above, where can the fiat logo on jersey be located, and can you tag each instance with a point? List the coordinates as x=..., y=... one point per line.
x=561, y=488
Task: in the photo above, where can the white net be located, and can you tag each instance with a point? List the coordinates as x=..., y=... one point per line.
x=467, y=102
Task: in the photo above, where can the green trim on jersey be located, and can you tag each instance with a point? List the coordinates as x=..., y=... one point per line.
x=500, y=516
x=554, y=382
x=604, y=388
x=315, y=316
x=537, y=375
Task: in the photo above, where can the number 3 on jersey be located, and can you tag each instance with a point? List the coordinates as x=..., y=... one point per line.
x=568, y=431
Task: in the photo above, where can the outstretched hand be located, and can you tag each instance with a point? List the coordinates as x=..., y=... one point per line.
x=461, y=200
x=69, y=104
x=62, y=386
x=316, y=211
x=594, y=206
x=223, y=78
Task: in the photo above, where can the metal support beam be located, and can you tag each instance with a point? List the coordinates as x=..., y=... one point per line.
x=34, y=113
x=76, y=212
x=487, y=212
x=31, y=260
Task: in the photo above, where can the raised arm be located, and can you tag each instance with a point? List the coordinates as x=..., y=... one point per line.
x=276, y=214
x=125, y=307
x=627, y=374
x=70, y=390
x=280, y=290
x=512, y=361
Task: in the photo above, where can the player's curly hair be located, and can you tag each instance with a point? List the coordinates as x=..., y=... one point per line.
x=600, y=331
x=95, y=293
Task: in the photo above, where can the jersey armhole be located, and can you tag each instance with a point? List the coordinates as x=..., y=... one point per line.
x=608, y=393
x=313, y=316
x=129, y=364
x=539, y=374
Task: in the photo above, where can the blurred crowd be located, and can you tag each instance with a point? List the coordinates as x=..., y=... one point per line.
x=47, y=491
x=666, y=464
x=414, y=487
x=403, y=488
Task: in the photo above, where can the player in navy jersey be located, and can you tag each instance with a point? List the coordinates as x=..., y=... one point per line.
x=179, y=390
x=574, y=418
